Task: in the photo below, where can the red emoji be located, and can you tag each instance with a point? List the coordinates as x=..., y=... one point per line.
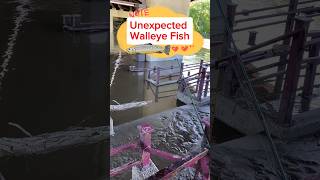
x=184, y=48
x=175, y=48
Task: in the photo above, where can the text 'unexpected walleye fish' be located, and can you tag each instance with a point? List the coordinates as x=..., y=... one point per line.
x=159, y=31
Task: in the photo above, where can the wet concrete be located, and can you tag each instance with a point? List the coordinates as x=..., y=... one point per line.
x=176, y=131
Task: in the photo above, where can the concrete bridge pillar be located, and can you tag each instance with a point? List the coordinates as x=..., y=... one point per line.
x=180, y=6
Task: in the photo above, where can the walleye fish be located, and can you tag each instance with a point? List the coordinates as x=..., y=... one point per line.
x=148, y=49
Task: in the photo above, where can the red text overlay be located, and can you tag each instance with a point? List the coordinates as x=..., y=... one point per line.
x=158, y=30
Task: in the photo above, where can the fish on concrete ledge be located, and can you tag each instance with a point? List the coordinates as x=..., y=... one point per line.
x=123, y=107
x=148, y=49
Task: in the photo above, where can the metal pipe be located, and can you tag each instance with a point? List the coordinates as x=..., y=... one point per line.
x=268, y=42
x=117, y=150
x=206, y=86
x=290, y=12
x=126, y=3
x=261, y=78
x=252, y=38
x=200, y=70
x=315, y=60
x=145, y=131
x=293, y=71
x=313, y=15
x=314, y=34
x=262, y=68
x=258, y=26
x=289, y=27
x=311, y=72
x=125, y=167
x=201, y=82
x=171, y=171
x=263, y=17
x=247, y=12
x=181, y=70
x=231, y=13
x=165, y=155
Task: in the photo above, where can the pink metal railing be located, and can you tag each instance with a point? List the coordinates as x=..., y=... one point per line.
x=200, y=160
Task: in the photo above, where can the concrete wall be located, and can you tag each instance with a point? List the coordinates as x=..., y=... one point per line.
x=115, y=13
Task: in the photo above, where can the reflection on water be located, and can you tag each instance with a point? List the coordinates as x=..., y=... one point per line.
x=20, y=17
x=52, y=80
x=130, y=86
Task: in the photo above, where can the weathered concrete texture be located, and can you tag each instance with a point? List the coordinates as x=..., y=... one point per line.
x=141, y=173
x=250, y=158
x=74, y=154
x=243, y=117
x=183, y=97
x=237, y=115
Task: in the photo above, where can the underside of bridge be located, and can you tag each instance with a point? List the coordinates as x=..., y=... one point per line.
x=264, y=93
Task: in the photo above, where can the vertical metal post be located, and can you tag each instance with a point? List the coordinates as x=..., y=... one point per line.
x=204, y=164
x=200, y=70
x=309, y=79
x=289, y=26
x=180, y=83
x=67, y=20
x=148, y=78
x=157, y=84
x=111, y=127
x=171, y=70
x=293, y=70
x=252, y=38
x=227, y=80
x=181, y=70
x=231, y=13
x=145, y=141
x=76, y=20
x=227, y=74
x=207, y=85
x=201, y=83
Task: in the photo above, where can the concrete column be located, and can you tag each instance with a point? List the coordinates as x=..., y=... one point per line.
x=115, y=13
x=217, y=33
x=111, y=32
x=180, y=6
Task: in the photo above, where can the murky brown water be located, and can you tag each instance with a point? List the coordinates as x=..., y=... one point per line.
x=51, y=80
x=130, y=86
x=57, y=81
